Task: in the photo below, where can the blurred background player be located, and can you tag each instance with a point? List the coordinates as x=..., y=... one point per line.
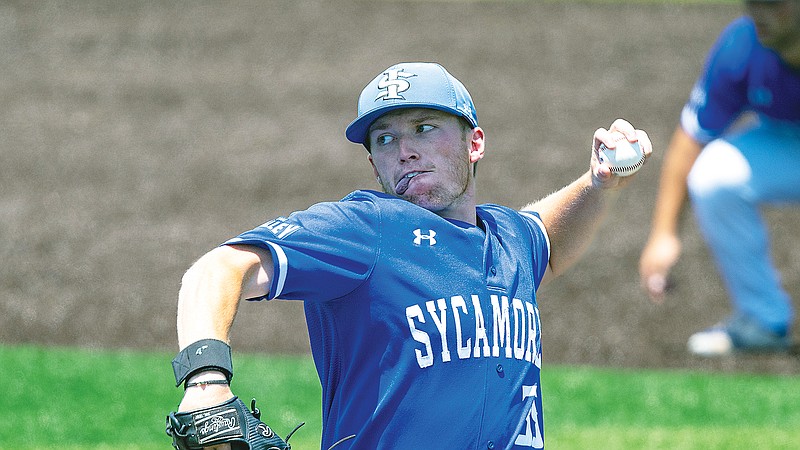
x=737, y=148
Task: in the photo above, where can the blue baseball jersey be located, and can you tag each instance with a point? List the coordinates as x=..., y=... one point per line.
x=425, y=331
x=740, y=75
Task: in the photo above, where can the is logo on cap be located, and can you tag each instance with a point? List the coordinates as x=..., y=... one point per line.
x=410, y=85
x=392, y=84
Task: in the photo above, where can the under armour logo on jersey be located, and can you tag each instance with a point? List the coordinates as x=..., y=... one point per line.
x=392, y=84
x=421, y=237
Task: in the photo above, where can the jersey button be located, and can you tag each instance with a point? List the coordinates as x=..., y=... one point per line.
x=490, y=445
x=499, y=368
x=493, y=270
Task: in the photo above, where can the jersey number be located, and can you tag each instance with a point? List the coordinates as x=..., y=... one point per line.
x=533, y=433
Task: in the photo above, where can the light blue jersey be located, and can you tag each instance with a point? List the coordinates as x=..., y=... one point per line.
x=740, y=75
x=425, y=332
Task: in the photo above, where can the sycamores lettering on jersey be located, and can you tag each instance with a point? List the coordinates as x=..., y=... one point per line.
x=441, y=299
x=514, y=329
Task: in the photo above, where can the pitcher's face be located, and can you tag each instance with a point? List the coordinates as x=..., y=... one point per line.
x=425, y=156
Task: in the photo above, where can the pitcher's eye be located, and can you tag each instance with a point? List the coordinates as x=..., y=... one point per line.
x=424, y=127
x=384, y=139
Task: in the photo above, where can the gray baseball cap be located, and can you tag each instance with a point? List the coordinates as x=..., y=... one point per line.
x=410, y=85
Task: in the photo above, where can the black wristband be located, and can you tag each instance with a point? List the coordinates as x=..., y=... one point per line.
x=205, y=354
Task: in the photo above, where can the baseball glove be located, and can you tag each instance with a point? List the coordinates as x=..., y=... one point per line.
x=231, y=423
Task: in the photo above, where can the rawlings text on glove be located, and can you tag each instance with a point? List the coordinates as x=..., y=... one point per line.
x=230, y=422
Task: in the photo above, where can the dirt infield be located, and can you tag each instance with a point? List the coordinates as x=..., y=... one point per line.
x=136, y=136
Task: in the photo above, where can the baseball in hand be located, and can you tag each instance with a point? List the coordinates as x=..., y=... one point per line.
x=624, y=160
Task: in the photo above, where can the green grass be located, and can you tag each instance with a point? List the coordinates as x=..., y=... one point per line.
x=87, y=399
x=671, y=410
x=84, y=399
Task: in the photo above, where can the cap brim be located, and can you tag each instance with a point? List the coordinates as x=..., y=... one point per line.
x=357, y=131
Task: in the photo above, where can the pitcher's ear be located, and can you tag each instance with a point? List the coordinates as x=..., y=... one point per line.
x=477, y=145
